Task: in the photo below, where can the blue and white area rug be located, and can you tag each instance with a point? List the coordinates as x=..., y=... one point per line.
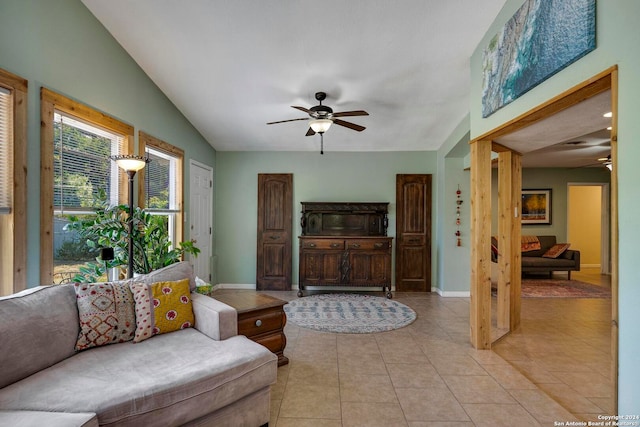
x=348, y=313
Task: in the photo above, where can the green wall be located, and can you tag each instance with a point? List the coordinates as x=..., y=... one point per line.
x=60, y=45
x=617, y=44
x=334, y=176
x=454, y=268
x=556, y=179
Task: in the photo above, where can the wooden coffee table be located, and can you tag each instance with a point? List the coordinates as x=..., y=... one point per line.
x=261, y=318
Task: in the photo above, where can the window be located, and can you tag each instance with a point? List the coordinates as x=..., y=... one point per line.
x=76, y=142
x=82, y=169
x=13, y=181
x=6, y=150
x=160, y=185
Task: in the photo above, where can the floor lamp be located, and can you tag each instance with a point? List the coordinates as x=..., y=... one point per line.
x=130, y=164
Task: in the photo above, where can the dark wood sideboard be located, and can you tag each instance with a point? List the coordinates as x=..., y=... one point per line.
x=345, y=244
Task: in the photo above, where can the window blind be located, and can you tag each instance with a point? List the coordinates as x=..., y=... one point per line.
x=160, y=182
x=6, y=151
x=81, y=164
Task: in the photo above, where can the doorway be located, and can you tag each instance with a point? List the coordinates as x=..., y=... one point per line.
x=480, y=309
x=413, y=233
x=201, y=217
x=274, y=232
x=588, y=224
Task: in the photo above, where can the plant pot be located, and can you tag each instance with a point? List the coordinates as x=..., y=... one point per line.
x=113, y=274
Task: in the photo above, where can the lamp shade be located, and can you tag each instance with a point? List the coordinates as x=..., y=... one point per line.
x=129, y=162
x=320, y=125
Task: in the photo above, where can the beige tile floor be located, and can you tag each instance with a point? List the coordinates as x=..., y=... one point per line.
x=427, y=374
x=564, y=347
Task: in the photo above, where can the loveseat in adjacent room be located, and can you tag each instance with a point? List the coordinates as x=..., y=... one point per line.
x=541, y=254
x=551, y=257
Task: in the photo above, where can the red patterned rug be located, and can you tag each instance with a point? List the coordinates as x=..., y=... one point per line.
x=561, y=288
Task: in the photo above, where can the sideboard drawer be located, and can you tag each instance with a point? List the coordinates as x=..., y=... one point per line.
x=368, y=244
x=323, y=244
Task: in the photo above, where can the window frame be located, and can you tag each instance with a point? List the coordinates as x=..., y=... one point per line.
x=49, y=103
x=113, y=196
x=145, y=140
x=13, y=250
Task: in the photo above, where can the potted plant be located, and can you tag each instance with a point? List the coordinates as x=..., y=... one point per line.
x=109, y=227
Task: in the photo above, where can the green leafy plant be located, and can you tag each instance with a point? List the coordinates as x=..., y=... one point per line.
x=75, y=250
x=109, y=227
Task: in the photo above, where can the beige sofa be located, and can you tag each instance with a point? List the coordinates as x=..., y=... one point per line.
x=201, y=376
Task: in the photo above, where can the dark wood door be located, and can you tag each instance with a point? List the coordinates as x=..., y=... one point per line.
x=413, y=233
x=275, y=205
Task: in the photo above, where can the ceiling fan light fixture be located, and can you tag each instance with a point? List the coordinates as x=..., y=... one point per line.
x=320, y=125
x=609, y=166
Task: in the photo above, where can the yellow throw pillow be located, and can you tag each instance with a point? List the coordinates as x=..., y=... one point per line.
x=162, y=307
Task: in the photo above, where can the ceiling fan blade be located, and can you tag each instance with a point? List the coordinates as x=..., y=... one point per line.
x=310, y=132
x=351, y=113
x=349, y=125
x=284, y=121
x=301, y=109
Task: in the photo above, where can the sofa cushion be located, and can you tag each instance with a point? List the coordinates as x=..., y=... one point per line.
x=529, y=243
x=39, y=328
x=547, y=263
x=106, y=313
x=161, y=308
x=556, y=250
x=545, y=243
x=166, y=380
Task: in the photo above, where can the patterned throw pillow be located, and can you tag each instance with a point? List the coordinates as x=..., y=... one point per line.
x=106, y=313
x=162, y=307
x=556, y=250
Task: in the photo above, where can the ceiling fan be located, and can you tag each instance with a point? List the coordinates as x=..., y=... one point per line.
x=321, y=117
x=606, y=161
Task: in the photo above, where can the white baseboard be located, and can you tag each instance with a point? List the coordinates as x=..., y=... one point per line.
x=234, y=286
x=451, y=294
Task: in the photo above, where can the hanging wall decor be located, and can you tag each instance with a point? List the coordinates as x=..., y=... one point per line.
x=458, y=204
x=541, y=38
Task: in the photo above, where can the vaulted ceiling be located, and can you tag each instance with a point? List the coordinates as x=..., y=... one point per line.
x=232, y=66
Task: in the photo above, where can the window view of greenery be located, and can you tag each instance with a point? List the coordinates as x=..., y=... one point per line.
x=160, y=182
x=84, y=178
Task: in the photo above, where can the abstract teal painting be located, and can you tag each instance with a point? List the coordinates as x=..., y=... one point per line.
x=540, y=39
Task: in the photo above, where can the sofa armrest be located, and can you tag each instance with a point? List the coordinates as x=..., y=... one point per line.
x=215, y=319
x=572, y=255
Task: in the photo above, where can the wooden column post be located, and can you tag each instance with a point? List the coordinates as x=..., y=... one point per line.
x=480, y=307
x=509, y=231
x=514, y=231
x=505, y=217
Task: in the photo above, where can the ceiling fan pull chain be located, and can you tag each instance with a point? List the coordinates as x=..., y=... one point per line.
x=321, y=143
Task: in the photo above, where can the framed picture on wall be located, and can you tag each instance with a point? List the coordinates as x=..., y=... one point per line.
x=536, y=206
